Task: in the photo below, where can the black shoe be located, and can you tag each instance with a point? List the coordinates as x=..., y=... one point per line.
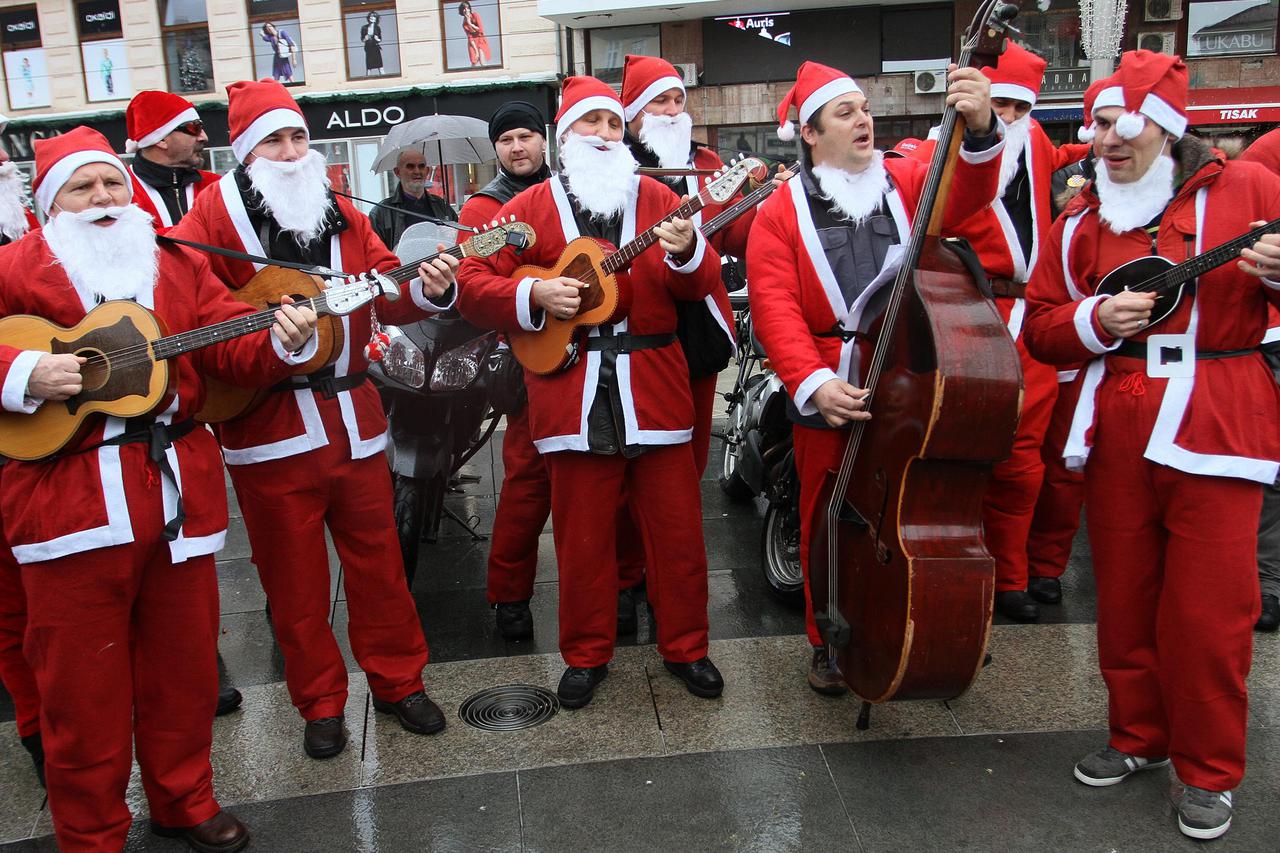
x=701, y=677
x=1270, y=618
x=416, y=712
x=34, y=745
x=222, y=833
x=1017, y=605
x=824, y=676
x=228, y=697
x=515, y=622
x=325, y=737
x=578, y=684
x=1045, y=590
x=627, y=623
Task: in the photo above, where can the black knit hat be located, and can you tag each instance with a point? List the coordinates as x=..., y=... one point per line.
x=515, y=114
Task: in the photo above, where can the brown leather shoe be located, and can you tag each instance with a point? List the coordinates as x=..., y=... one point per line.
x=416, y=713
x=222, y=833
x=824, y=676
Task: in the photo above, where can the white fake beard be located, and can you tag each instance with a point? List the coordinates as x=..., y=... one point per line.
x=1124, y=207
x=117, y=261
x=296, y=194
x=668, y=137
x=855, y=196
x=1016, y=137
x=604, y=182
x=13, y=198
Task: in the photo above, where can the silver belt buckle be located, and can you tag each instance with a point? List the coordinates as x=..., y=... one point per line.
x=1171, y=356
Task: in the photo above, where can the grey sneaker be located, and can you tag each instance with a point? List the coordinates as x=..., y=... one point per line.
x=1110, y=766
x=1204, y=814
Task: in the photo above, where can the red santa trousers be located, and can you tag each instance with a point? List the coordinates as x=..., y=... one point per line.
x=523, y=507
x=15, y=672
x=287, y=504
x=817, y=451
x=1057, y=515
x=662, y=489
x=1174, y=558
x=1015, y=483
x=123, y=645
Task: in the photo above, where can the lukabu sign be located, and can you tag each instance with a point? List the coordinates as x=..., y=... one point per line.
x=365, y=117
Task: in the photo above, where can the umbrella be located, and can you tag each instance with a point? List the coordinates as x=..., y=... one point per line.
x=442, y=141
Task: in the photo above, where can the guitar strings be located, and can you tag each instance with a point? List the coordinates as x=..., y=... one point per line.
x=1230, y=249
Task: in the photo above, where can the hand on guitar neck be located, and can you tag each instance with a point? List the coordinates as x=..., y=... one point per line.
x=1263, y=260
x=439, y=273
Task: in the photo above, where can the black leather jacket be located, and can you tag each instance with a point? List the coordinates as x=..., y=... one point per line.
x=390, y=224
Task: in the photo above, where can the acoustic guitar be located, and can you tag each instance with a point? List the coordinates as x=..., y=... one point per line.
x=127, y=352
x=224, y=402
x=590, y=261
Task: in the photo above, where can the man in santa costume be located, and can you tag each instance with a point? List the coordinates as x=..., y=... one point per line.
x=121, y=591
x=166, y=137
x=621, y=416
x=816, y=248
x=16, y=218
x=1177, y=429
x=311, y=456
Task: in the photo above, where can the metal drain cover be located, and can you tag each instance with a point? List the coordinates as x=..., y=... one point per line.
x=509, y=708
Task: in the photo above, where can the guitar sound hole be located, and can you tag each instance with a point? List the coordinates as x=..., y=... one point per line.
x=95, y=372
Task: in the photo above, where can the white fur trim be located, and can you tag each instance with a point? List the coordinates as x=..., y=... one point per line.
x=827, y=92
x=1112, y=96
x=60, y=172
x=1075, y=451
x=656, y=88
x=302, y=356
x=162, y=131
x=699, y=252
x=806, y=389
x=1014, y=92
x=787, y=130
x=265, y=125
x=586, y=105
x=1068, y=375
x=1153, y=107
x=977, y=157
x=1068, y=232
x=1017, y=313
x=234, y=204
x=162, y=209
x=420, y=298
x=1083, y=319
x=1271, y=283
x=524, y=313
x=14, y=398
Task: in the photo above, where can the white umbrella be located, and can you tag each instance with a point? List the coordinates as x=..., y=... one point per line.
x=442, y=141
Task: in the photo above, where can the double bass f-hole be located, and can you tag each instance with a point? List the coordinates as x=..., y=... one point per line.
x=883, y=555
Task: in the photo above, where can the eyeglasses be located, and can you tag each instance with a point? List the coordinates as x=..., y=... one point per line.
x=194, y=127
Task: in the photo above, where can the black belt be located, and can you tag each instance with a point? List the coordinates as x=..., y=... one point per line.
x=326, y=383
x=159, y=437
x=623, y=344
x=845, y=335
x=1008, y=288
x=1138, y=349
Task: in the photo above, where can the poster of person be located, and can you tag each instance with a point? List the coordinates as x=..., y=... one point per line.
x=277, y=50
x=106, y=70
x=472, y=35
x=28, y=78
x=373, y=44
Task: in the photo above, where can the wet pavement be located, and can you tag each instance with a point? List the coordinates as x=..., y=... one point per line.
x=768, y=766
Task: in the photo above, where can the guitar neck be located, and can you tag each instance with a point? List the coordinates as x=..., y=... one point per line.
x=172, y=346
x=408, y=272
x=628, y=253
x=726, y=217
x=1212, y=259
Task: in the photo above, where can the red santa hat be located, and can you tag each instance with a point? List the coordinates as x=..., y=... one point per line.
x=153, y=115
x=581, y=95
x=1017, y=75
x=255, y=110
x=816, y=84
x=643, y=79
x=1087, y=131
x=1147, y=84
x=58, y=157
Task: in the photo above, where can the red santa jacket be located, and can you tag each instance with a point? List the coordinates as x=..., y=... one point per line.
x=148, y=198
x=794, y=293
x=1265, y=150
x=87, y=487
x=288, y=422
x=653, y=383
x=1221, y=421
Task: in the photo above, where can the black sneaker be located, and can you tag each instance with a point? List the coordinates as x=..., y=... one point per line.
x=34, y=745
x=1204, y=814
x=1110, y=766
x=1015, y=604
x=1270, y=618
x=627, y=622
x=515, y=622
x=578, y=685
x=1045, y=590
x=701, y=677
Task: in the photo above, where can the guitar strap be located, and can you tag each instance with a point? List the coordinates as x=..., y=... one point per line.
x=312, y=269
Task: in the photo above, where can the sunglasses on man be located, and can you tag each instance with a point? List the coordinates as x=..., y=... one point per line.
x=195, y=127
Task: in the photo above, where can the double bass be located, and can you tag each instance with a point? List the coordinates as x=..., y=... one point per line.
x=901, y=580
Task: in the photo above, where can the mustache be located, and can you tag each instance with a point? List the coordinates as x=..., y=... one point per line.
x=94, y=214
x=598, y=142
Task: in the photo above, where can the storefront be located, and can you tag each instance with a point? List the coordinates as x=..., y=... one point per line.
x=1232, y=118
x=346, y=130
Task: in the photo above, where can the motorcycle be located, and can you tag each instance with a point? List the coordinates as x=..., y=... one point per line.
x=434, y=380
x=759, y=462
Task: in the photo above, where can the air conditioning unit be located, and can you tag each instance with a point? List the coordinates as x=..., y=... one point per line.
x=1161, y=42
x=1162, y=10
x=688, y=73
x=930, y=82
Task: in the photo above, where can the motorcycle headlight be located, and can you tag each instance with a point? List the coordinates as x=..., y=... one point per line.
x=457, y=368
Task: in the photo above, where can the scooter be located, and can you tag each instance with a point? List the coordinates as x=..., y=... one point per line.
x=759, y=462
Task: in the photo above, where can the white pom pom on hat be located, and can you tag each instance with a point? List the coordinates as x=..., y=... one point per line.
x=1086, y=134
x=1129, y=125
x=787, y=131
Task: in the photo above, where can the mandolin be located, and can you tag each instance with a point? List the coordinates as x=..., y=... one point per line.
x=1155, y=274
x=555, y=346
x=224, y=402
x=726, y=217
x=126, y=372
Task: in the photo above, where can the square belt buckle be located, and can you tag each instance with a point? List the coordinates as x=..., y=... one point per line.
x=1171, y=356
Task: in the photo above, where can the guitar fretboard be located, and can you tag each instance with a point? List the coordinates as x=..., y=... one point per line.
x=752, y=199
x=172, y=346
x=407, y=272
x=628, y=253
x=1201, y=264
